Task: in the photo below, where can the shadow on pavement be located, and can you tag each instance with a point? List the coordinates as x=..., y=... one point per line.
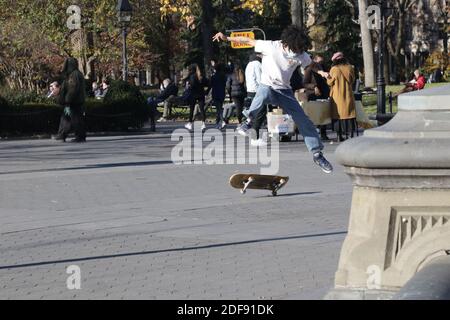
x=292, y=194
x=131, y=254
x=93, y=166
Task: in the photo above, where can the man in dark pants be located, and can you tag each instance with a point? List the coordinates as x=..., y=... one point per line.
x=72, y=97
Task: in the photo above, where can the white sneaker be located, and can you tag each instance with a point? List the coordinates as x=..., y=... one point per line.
x=162, y=120
x=188, y=126
x=258, y=143
x=223, y=125
x=203, y=126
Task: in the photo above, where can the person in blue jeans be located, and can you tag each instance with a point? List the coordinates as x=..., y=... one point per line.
x=280, y=60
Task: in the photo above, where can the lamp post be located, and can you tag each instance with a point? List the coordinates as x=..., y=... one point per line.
x=381, y=81
x=382, y=117
x=414, y=50
x=124, y=13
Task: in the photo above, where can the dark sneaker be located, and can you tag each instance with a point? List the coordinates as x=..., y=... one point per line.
x=323, y=163
x=78, y=140
x=244, y=129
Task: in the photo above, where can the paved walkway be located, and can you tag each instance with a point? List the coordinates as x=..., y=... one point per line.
x=140, y=227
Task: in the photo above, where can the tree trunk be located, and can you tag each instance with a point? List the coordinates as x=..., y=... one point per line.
x=396, y=40
x=207, y=31
x=90, y=65
x=297, y=13
x=367, y=46
x=445, y=40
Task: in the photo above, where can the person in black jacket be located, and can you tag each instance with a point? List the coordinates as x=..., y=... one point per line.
x=168, y=89
x=236, y=89
x=217, y=87
x=72, y=97
x=197, y=83
x=315, y=87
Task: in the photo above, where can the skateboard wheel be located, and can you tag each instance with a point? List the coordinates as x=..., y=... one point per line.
x=274, y=193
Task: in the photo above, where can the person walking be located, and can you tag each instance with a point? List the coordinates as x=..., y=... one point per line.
x=253, y=76
x=280, y=60
x=341, y=79
x=217, y=86
x=53, y=96
x=236, y=89
x=72, y=97
x=197, y=83
x=252, y=80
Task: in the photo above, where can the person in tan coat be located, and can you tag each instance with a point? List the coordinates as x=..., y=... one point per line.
x=341, y=79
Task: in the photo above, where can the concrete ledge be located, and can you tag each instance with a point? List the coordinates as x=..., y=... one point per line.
x=392, y=153
x=400, y=178
x=428, y=99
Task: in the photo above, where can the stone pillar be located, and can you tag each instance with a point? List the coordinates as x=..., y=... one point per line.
x=400, y=216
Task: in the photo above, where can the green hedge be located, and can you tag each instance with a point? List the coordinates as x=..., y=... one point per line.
x=29, y=118
x=123, y=108
x=3, y=102
x=22, y=97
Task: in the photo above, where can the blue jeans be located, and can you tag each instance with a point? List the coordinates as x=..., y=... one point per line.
x=285, y=99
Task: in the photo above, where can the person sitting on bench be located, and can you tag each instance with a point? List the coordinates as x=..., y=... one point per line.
x=168, y=89
x=418, y=83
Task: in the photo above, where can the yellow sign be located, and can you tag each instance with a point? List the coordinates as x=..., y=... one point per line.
x=247, y=34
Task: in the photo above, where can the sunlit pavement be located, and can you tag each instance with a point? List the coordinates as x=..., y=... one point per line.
x=140, y=227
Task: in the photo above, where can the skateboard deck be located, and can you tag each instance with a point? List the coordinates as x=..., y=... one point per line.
x=246, y=182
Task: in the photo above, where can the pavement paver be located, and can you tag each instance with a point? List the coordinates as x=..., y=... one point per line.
x=140, y=227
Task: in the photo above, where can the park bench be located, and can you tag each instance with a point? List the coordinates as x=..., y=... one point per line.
x=179, y=107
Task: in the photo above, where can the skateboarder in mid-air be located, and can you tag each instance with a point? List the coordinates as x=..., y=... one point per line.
x=280, y=60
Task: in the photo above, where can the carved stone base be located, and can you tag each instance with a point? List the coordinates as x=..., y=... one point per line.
x=398, y=223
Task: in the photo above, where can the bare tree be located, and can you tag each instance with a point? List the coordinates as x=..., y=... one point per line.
x=443, y=14
x=396, y=29
x=297, y=12
x=367, y=46
x=207, y=30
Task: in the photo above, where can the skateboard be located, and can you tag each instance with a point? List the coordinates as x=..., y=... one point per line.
x=245, y=182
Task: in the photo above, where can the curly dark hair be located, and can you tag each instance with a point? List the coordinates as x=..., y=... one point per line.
x=296, y=39
x=341, y=61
